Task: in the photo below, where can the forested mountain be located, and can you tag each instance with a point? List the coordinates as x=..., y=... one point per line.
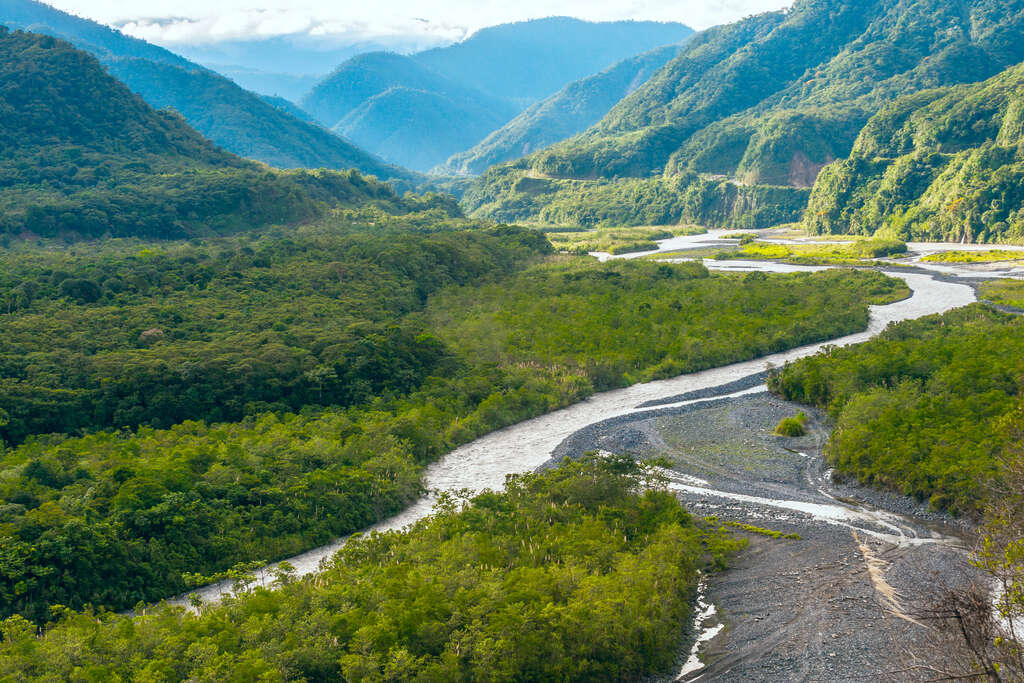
x=81, y=155
x=235, y=119
x=944, y=164
x=571, y=110
x=529, y=60
x=767, y=101
x=405, y=112
x=419, y=110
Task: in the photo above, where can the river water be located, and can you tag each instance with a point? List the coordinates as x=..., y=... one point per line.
x=484, y=463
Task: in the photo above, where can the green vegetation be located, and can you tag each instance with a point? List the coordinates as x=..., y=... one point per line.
x=989, y=256
x=513, y=194
x=82, y=156
x=256, y=395
x=792, y=426
x=854, y=253
x=922, y=408
x=770, y=533
x=571, y=110
x=615, y=240
x=939, y=165
x=622, y=322
x=1003, y=292
x=580, y=573
x=241, y=122
x=768, y=101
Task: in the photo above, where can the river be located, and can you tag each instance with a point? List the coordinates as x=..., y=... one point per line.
x=484, y=463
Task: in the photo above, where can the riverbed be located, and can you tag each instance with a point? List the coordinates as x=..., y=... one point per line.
x=484, y=463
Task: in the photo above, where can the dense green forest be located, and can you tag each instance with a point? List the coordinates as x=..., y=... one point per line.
x=768, y=100
x=256, y=395
x=586, y=572
x=82, y=156
x=506, y=194
x=922, y=409
x=237, y=120
x=945, y=164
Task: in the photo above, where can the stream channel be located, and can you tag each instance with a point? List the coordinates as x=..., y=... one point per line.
x=819, y=608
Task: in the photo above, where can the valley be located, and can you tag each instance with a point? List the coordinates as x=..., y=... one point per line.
x=565, y=348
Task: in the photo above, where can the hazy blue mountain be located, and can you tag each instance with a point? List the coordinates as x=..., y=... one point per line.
x=392, y=124
x=469, y=89
x=403, y=111
x=368, y=75
x=290, y=65
x=527, y=61
x=571, y=110
x=235, y=119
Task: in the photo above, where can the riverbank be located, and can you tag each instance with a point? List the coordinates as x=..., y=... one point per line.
x=836, y=604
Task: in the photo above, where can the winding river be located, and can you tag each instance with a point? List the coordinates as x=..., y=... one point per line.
x=484, y=463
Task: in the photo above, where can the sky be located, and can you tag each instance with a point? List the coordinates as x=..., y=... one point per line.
x=170, y=22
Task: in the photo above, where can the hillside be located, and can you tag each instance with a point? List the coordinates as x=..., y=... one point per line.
x=944, y=164
x=235, y=119
x=83, y=156
x=419, y=110
x=403, y=111
x=771, y=99
x=571, y=110
x=526, y=61
x=416, y=128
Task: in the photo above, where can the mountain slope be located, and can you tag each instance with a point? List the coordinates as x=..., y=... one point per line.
x=527, y=61
x=403, y=111
x=768, y=101
x=571, y=110
x=944, y=164
x=393, y=124
x=83, y=156
x=233, y=118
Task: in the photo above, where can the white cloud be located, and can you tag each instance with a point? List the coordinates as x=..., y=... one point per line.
x=194, y=21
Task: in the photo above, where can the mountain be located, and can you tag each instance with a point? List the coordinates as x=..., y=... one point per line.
x=418, y=129
x=571, y=110
x=765, y=102
x=83, y=156
x=526, y=61
x=419, y=110
x=403, y=111
x=235, y=119
x=945, y=164
x=291, y=65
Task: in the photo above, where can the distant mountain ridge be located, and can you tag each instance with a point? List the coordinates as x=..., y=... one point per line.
x=403, y=111
x=764, y=102
x=235, y=119
x=571, y=110
x=529, y=60
x=83, y=156
x=469, y=89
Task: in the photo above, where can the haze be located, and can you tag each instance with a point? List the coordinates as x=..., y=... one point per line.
x=171, y=22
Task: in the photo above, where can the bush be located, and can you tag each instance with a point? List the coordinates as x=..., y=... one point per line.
x=792, y=426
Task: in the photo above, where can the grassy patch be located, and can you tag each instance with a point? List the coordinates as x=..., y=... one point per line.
x=987, y=256
x=770, y=533
x=1003, y=292
x=616, y=240
x=854, y=253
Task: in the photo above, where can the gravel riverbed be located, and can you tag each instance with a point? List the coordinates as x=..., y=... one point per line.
x=838, y=603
